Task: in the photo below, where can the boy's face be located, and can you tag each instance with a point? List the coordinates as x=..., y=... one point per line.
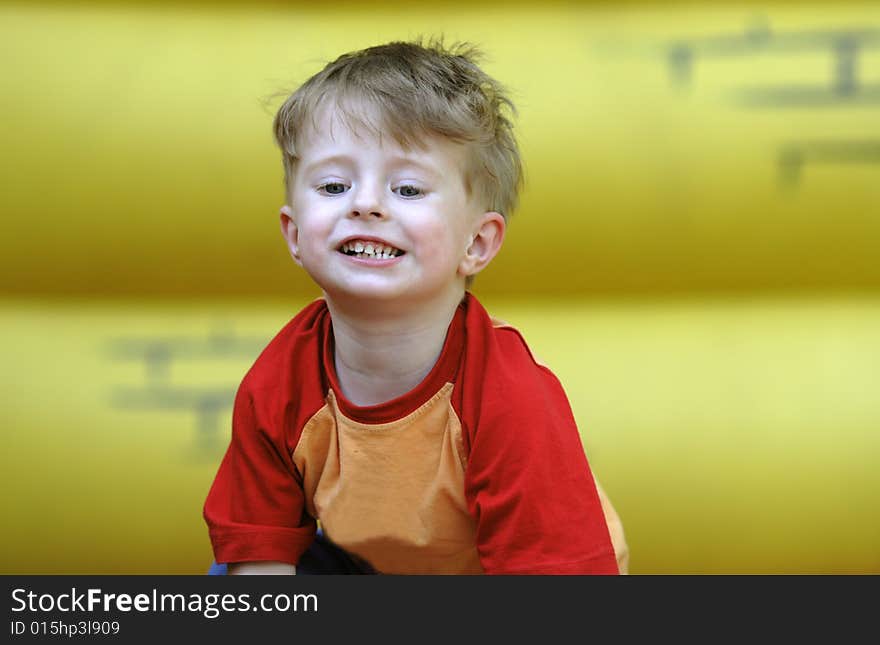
x=370, y=220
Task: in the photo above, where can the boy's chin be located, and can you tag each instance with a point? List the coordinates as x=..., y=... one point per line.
x=366, y=293
x=389, y=297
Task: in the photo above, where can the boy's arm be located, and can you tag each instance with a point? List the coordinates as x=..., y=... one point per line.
x=615, y=529
x=528, y=483
x=260, y=569
x=255, y=509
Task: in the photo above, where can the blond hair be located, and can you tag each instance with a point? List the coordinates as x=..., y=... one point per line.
x=409, y=89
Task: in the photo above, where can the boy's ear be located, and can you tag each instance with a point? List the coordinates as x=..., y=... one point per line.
x=290, y=232
x=484, y=243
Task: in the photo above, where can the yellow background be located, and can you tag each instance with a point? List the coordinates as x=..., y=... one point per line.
x=716, y=325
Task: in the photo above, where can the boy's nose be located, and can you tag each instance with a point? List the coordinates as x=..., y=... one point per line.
x=367, y=202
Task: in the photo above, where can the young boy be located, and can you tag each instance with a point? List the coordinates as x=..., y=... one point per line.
x=421, y=433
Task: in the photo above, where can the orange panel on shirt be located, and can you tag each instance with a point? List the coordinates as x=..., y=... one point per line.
x=391, y=493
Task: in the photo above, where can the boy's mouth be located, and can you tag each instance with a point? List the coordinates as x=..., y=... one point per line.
x=369, y=249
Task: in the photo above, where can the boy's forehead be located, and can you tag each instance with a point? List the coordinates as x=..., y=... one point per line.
x=333, y=123
x=333, y=127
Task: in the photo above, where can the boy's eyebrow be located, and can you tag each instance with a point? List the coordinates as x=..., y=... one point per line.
x=324, y=161
x=343, y=159
x=402, y=160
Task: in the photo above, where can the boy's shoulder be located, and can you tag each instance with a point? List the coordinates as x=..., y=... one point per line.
x=501, y=379
x=503, y=345
x=285, y=385
x=300, y=340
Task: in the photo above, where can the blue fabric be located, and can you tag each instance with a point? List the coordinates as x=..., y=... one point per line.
x=321, y=558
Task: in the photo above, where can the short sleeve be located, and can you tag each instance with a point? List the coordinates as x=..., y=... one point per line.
x=528, y=482
x=255, y=509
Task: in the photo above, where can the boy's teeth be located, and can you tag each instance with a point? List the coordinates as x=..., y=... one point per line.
x=370, y=249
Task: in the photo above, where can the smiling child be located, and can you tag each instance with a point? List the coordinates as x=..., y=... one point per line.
x=418, y=431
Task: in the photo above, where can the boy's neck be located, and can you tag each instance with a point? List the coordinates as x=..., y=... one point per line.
x=382, y=353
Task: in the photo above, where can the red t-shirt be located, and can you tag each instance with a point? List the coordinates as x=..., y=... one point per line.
x=478, y=469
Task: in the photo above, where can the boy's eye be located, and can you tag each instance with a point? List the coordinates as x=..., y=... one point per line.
x=332, y=188
x=409, y=191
